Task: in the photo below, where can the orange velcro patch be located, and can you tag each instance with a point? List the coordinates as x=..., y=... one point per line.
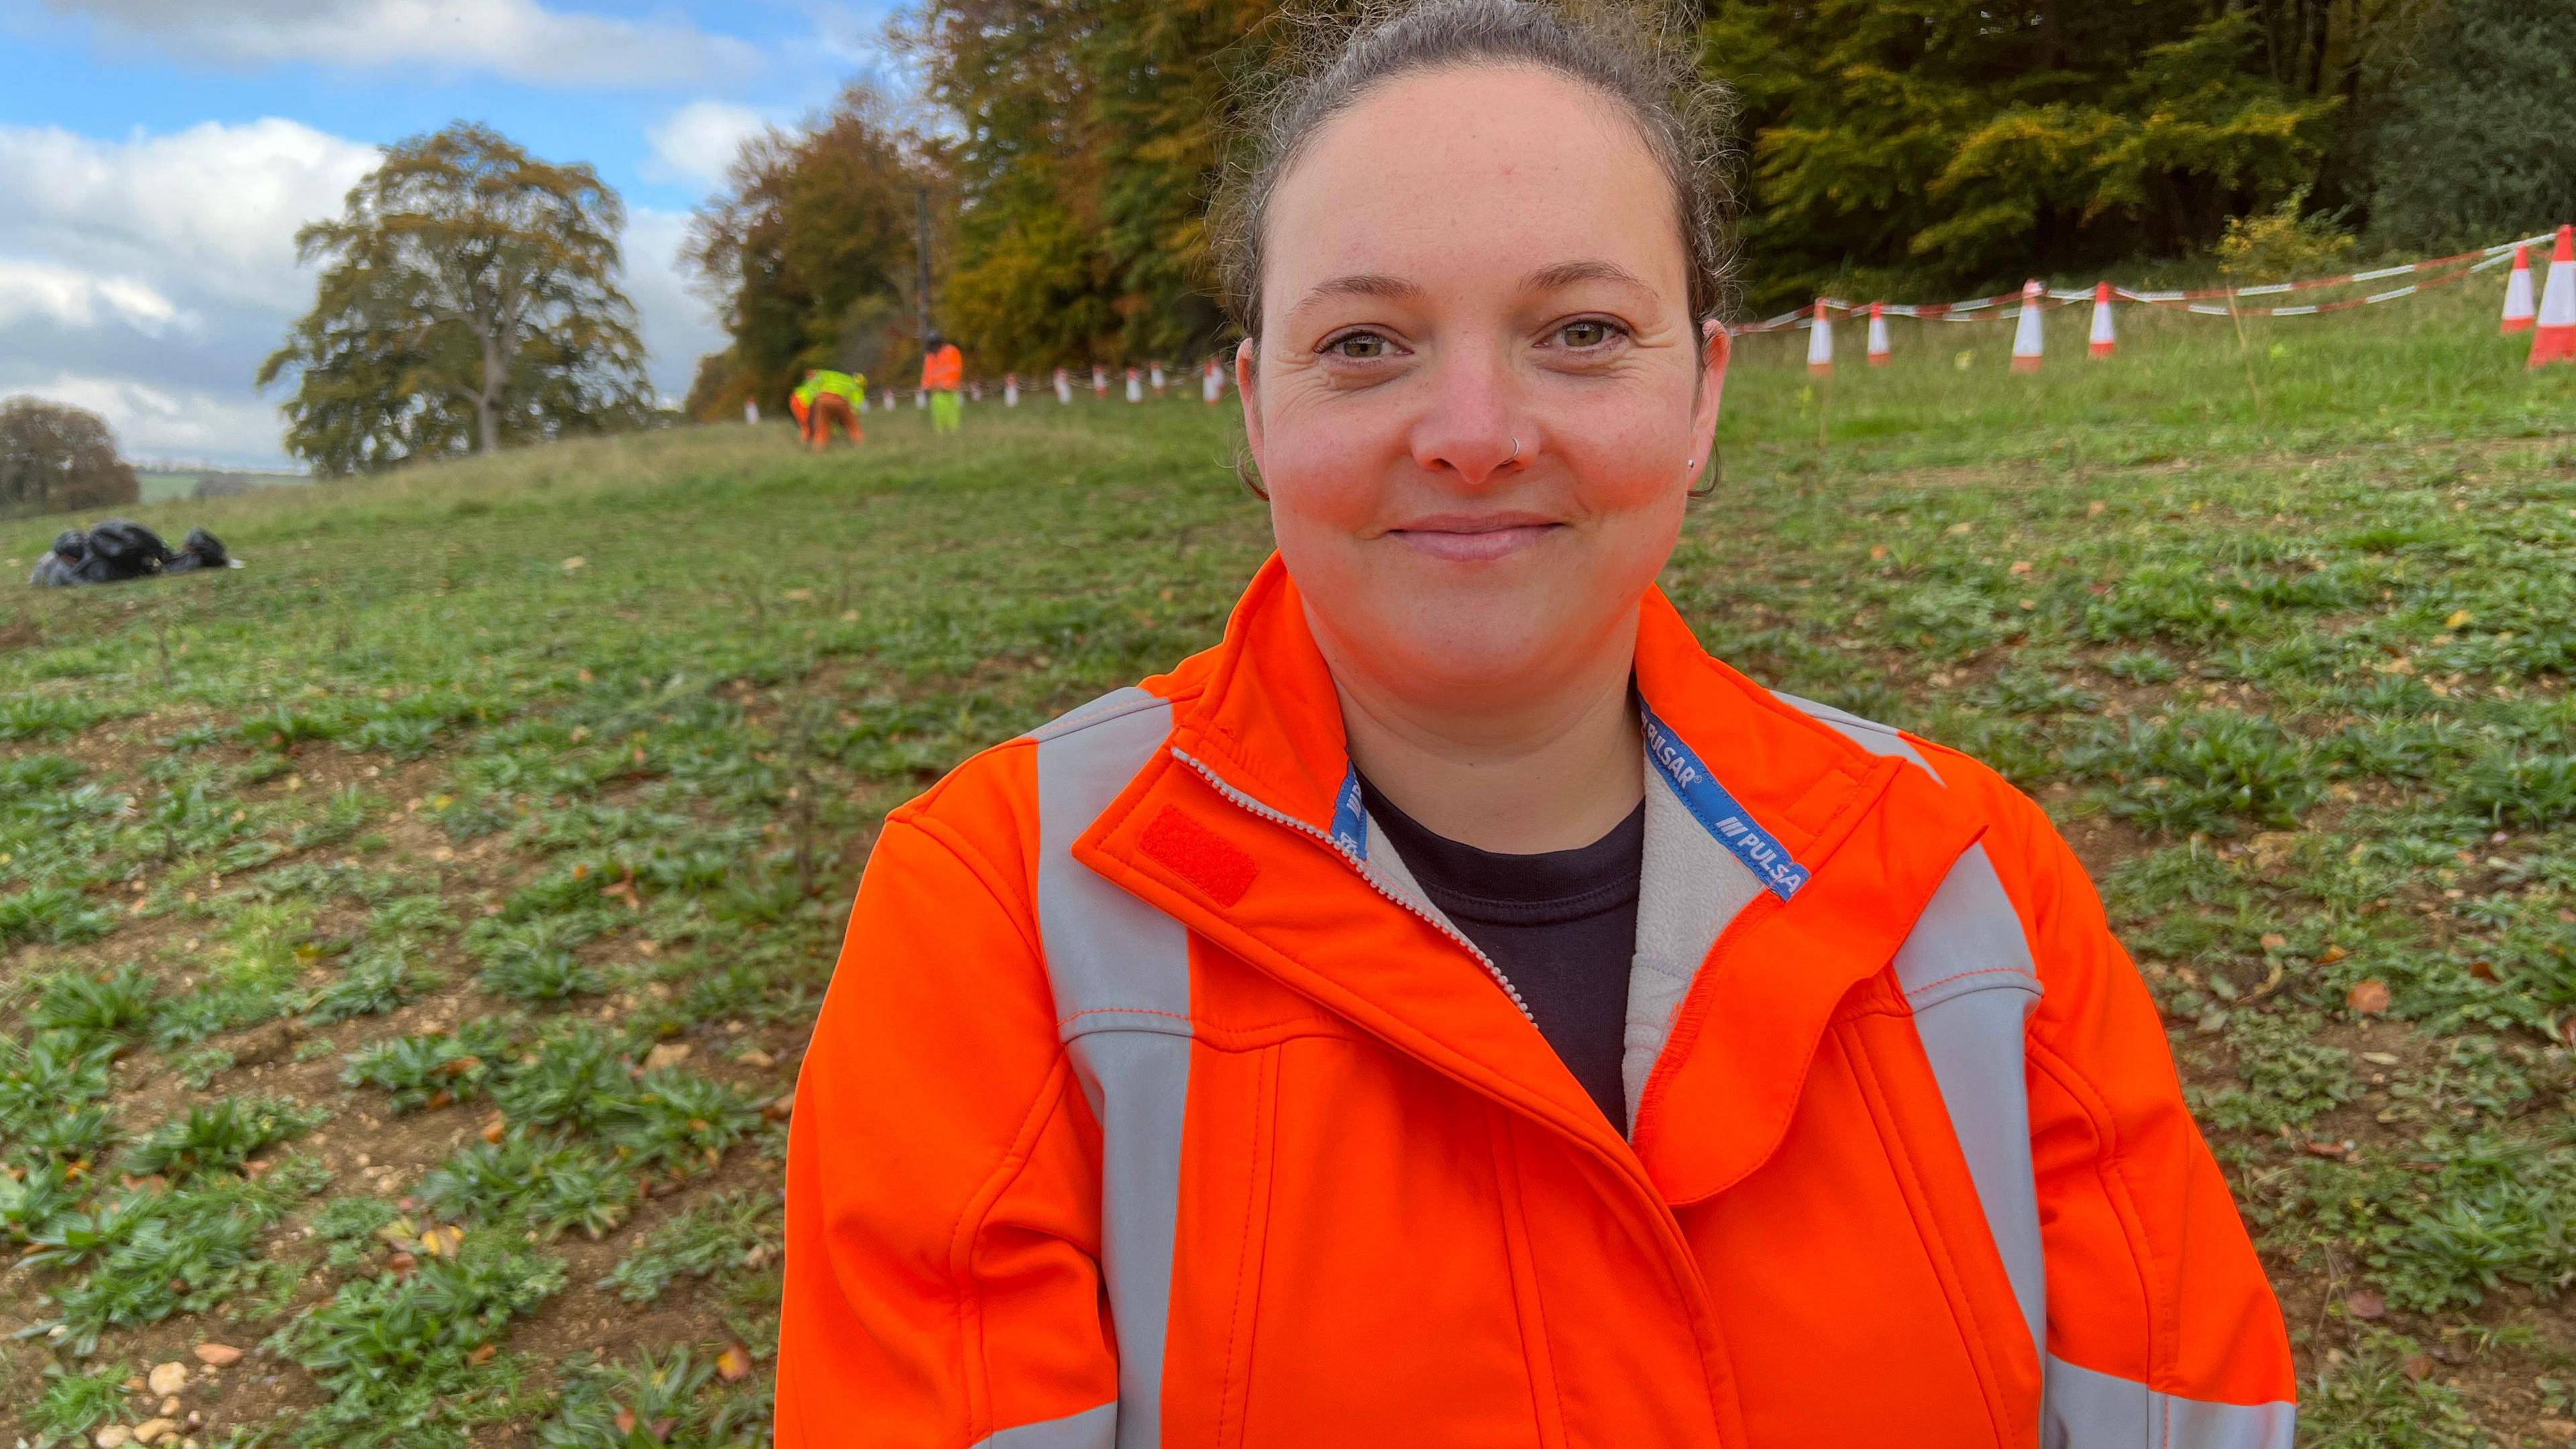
x=1200, y=856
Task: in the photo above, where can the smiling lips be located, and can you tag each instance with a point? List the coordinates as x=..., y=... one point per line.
x=1483, y=538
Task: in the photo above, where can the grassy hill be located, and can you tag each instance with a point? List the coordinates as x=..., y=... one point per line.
x=407, y=941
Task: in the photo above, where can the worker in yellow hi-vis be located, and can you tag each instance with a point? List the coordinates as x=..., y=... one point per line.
x=824, y=398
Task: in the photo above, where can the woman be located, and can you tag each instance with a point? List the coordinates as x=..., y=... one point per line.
x=1454, y=1009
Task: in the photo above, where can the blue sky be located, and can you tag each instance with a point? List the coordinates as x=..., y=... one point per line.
x=156, y=157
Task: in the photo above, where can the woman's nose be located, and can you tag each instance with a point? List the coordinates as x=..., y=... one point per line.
x=1471, y=425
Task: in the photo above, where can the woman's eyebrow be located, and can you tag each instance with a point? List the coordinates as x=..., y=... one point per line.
x=1567, y=274
x=1361, y=284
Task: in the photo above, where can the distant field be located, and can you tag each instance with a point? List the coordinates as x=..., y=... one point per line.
x=407, y=941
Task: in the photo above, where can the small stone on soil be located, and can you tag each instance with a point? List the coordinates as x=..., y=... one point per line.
x=167, y=1378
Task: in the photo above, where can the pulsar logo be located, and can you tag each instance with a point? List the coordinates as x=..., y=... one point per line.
x=1675, y=763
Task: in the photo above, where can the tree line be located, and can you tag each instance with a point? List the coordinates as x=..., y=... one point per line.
x=1887, y=146
x=1065, y=151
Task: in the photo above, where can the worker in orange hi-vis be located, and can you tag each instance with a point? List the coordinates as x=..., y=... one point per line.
x=943, y=371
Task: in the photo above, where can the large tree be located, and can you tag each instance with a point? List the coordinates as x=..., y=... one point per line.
x=56, y=459
x=469, y=299
x=1089, y=147
x=809, y=253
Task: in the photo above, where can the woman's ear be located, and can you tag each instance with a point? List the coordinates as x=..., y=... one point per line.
x=1247, y=387
x=1716, y=349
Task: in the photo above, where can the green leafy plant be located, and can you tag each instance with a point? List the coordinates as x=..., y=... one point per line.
x=221, y=1136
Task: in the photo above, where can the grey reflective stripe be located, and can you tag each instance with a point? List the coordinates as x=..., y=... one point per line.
x=1688, y=889
x=1966, y=971
x=1090, y=1429
x=2089, y=1410
x=1121, y=974
x=1869, y=734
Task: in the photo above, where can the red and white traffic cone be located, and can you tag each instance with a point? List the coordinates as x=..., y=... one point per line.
x=1879, y=356
x=2554, y=340
x=2518, y=311
x=2026, y=337
x=1063, y=386
x=1010, y=389
x=1211, y=383
x=1155, y=374
x=1820, y=342
x=1135, y=391
x=2105, y=340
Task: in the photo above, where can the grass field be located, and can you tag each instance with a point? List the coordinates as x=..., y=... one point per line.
x=407, y=941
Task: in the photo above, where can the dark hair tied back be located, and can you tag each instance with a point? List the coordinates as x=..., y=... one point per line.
x=1641, y=56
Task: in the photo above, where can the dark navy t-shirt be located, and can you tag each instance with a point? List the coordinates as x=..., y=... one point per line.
x=1562, y=926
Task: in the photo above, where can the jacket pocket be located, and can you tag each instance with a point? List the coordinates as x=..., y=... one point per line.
x=1228, y=1159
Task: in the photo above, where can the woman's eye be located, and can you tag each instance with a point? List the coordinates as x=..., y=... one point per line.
x=1586, y=334
x=1358, y=347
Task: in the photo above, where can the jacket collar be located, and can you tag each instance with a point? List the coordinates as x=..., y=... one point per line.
x=1257, y=764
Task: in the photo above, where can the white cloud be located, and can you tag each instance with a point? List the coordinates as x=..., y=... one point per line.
x=699, y=140
x=75, y=298
x=520, y=39
x=677, y=326
x=158, y=423
x=146, y=278
x=210, y=210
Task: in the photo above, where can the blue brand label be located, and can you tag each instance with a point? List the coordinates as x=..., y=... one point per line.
x=1734, y=826
x=1350, y=818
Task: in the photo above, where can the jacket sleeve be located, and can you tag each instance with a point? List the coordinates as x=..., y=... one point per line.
x=2162, y=1328
x=942, y=1265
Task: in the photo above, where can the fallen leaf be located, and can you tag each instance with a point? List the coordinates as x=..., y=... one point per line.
x=495, y=1129
x=2019, y=567
x=625, y=1420
x=2274, y=940
x=2367, y=998
x=482, y=1353
x=2366, y=1303
x=2418, y=1366
x=2483, y=970
x=734, y=1364
x=220, y=1355
x=669, y=1053
x=402, y=1263
x=1877, y=551
x=777, y=1108
x=2458, y=617
x=2094, y=509
x=575, y=564
x=2331, y=955
x=442, y=1241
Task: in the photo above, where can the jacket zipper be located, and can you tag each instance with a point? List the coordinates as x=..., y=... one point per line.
x=1686, y=1272
x=1360, y=867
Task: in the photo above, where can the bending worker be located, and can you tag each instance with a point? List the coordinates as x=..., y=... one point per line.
x=1455, y=1010
x=826, y=397
x=943, y=371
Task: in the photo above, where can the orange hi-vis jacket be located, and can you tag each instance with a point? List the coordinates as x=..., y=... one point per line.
x=944, y=370
x=1153, y=1104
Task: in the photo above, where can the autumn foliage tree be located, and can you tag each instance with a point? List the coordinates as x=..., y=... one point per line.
x=809, y=254
x=469, y=300
x=57, y=459
x=1091, y=146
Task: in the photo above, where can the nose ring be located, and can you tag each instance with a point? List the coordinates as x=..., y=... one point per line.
x=1516, y=449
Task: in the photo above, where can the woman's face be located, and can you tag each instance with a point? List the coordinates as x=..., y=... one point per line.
x=1478, y=395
